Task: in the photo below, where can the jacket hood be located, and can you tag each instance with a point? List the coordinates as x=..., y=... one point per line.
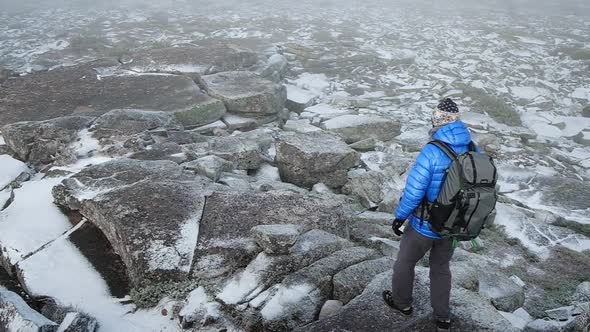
x=455, y=133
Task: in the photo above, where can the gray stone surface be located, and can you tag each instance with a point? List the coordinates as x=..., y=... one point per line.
x=276, y=239
x=300, y=126
x=148, y=210
x=193, y=60
x=560, y=314
x=542, y=325
x=504, y=293
x=209, y=166
x=246, y=92
x=127, y=122
x=16, y=315
x=45, y=142
x=354, y=128
x=307, y=159
x=330, y=308
x=367, y=187
x=245, y=150
x=76, y=89
x=161, y=151
x=369, y=225
x=350, y=282
x=586, y=112
x=78, y=322
x=582, y=293
x=368, y=144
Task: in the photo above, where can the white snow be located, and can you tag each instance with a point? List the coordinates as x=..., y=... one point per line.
x=85, y=144
x=32, y=219
x=346, y=121
x=2, y=142
x=268, y=173
x=528, y=92
x=10, y=169
x=324, y=111
x=300, y=95
x=198, y=304
x=581, y=93
x=316, y=83
x=178, y=256
x=245, y=282
x=286, y=296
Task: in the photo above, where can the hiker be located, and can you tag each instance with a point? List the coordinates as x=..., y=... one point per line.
x=423, y=185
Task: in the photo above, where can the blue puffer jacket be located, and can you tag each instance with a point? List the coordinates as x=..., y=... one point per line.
x=427, y=175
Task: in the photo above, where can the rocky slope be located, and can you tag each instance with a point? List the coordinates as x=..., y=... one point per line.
x=218, y=187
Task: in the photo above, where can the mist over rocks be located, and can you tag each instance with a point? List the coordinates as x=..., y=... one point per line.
x=239, y=163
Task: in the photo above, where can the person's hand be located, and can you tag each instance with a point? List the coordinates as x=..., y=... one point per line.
x=397, y=224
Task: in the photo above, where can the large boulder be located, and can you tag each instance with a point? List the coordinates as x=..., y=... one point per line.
x=504, y=293
x=79, y=89
x=354, y=128
x=246, y=92
x=367, y=187
x=582, y=293
x=307, y=159
x=244, y=151
x=45, y=142
x=192, y=60
x=16, y=315
x=148, y=210
x=350, y=282
x=209, y=166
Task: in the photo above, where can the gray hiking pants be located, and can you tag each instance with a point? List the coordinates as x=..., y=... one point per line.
x=413, y=247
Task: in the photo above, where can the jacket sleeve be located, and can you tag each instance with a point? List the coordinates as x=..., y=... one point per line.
x=417, y=184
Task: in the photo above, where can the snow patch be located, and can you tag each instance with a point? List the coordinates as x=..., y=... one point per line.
x=10, y=169
x=198, y=305
x=286, y=296
x=180, y=255
x=247, y=281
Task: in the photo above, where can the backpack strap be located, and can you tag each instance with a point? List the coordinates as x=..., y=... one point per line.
x=472, y=147
x=445, y=148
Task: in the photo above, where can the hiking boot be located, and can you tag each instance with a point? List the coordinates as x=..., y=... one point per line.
x=443, y=325
x=388, y=298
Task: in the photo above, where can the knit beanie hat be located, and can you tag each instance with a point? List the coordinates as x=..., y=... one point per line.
x=446, y=112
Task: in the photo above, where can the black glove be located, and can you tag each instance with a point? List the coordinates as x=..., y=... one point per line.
x=397, y=224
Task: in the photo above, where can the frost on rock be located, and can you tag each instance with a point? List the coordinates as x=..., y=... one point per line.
x=287, y=300
x=246, y=283
x=198, y=308
x=537, y=235
x=10, y=169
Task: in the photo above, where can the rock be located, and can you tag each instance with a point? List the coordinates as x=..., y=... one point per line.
x=542, y=325
x=193, y=60
x=275, y=239
x=148, y=210
x=414, y=140
x=307, y=159
x=246, y=150
x=16, y=315
x=12, y=171
x=369, y=225
x=164, y=151
x=321, y=189
x=276, y=67
x=300, y=295
x=518, y=319
x=367, y=144
x=246, y=92
x=561, y=314
x=354, y=128
x=209, y=166
x=583, y=319
x=128, y=122
x=218, y=256
x=300, y=126
x=330, y=308
x=586, y=112
x=504, y=293
x=582, y=293
x=324, y=112
x=316, y=244
x=211, y=128
x=236, y=122
x=78, y=322
x=5, y=74
x=390, y=200
x=198, y=309
x=367, y=187
x=299, y=99
x=350, y=282
x=45, y=142
x=368, y=312
x=488, y=143
x=78, y=89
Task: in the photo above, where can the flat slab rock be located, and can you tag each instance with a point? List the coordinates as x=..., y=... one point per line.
x=354, y=128
x=193, y=59
x=149, y=211
x=246, y=92
x=308, y=158
x=78, y=89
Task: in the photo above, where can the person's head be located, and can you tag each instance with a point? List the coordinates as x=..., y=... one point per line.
x=446, y=112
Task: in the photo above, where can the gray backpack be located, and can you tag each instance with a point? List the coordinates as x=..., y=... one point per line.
x=467, y=197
